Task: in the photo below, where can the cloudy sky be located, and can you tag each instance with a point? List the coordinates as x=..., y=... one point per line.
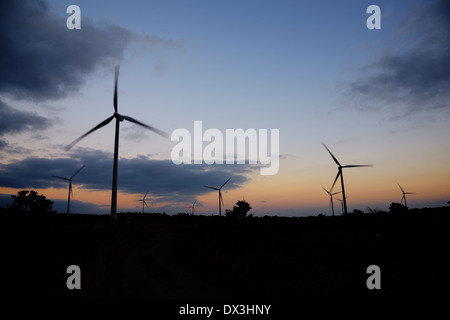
x=311, y=69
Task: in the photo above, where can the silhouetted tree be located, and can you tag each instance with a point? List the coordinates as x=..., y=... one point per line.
x=28, y=201
x=239, y=210
x=357, y=212
x=448, y=202
x=397, y=208
x=374, y=211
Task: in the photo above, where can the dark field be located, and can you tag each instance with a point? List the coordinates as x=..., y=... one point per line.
x=155, y=256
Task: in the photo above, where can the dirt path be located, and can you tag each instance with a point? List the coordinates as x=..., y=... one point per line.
x=148, y=274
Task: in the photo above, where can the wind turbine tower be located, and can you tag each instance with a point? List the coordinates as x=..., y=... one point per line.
x=193, y=210
x=119, y=118
x=143, y=202
x=331, y=198
x=341, y=174
x=70, y=187
x=404, y=195
x=220, y=195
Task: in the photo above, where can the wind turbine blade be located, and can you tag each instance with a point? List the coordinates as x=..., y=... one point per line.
x=326, y=191
x=211, y=187
x=225, y=183
x=410, y=193
x=335, y=193
x=401, y=187
x=102, y=124
x=146, y=204
x=357, y=165
x=337, y=176
x=116, y=78
x=194, y=203
x=145, y=195
x=70, y=187
x=335, y=160
x=160, y=132
x=76, y=172
x=61, y=178
x=330, y=203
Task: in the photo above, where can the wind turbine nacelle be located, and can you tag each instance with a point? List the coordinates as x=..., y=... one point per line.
x=118, y=116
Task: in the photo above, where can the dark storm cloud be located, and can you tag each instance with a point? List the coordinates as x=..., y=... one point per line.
x=42, y=59
x=416, y=76
x=13, y=121
x=161, y=178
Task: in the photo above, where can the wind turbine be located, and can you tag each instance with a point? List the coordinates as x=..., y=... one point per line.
x=119, y=118
x=220, y=195
x=143, y=202
x=404, y=195
x=331, y=198
x=342, y=204
x=70, y=187
x=193, y=208
x=340, y=173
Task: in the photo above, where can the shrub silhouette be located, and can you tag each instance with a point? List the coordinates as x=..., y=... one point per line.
x=239, y=210
x=397, y=208
x=357, y=212
x=28, y=201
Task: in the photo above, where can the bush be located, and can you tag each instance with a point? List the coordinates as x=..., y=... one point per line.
x=357, y=212
x=28, y=201
x=239, y=210
x=397, y=208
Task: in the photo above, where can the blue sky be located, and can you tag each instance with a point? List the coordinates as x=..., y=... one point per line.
x=310, y=69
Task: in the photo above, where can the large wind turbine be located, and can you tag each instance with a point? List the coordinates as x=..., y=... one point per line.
x=70, y=187
x=118, y=118
x=220, y=195
x=193, y=208
x=331, y=198
x=340, y=173
x=404, y=195
x=143, y=202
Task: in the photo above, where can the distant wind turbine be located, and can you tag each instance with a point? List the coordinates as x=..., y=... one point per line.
x=342, y=204
x=331, y=198
x=220, y=195
x=70, y=187
x=143, y=202
x=193, y=208
x=118, y=118
x=404, y=195
x=340, y=173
